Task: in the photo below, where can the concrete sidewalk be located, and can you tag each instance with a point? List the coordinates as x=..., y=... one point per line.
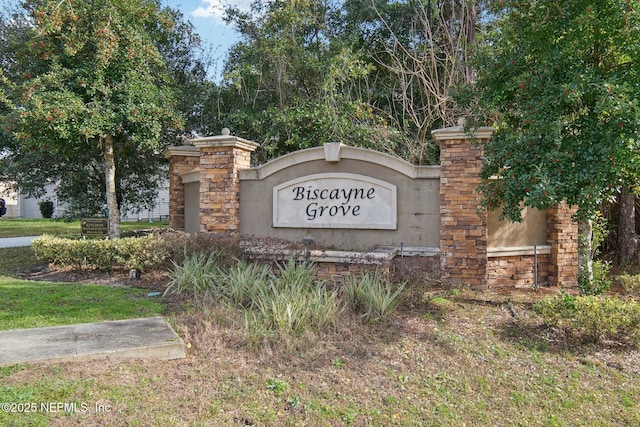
x=147, y=338
x=15, y=242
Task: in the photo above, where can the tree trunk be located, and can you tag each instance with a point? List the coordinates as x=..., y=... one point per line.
x=110, y=179
x=585, y=252
x=627, y=238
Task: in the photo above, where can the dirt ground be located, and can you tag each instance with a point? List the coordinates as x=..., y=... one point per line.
x=154, y=280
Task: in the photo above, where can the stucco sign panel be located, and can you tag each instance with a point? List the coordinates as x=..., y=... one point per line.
x=335, y=200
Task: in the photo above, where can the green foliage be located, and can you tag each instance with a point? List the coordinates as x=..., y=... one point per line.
x=94, y=97
x=595, y=316
x=277, y=386
x=195, y=278
x=103, y=254
x=599, y=283
x=630, y=284
x=552, y=310
x=46, y=208
x=287, y=301
x=560, y=82
x=292, y=301
x=372, y=295
x=242, y=283
x=295, y=82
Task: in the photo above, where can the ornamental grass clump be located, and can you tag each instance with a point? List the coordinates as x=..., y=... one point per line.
x=373, y=296
x=196, y=278
x=288, y=300
x=242, y=282
x=292, y=301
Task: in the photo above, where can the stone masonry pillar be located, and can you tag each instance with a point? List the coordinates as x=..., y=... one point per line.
x=221, y=157
x=562, y=236
x=182, y=159
x=463, y=222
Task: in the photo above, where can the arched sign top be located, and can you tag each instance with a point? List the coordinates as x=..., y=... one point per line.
x=345, y=152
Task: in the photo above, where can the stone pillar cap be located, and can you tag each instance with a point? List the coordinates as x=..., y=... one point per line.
x=461, y=132
x=225, y=140
x=181, y=150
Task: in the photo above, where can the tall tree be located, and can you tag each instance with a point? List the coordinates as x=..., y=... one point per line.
x=97, y=81
x=420, y=53
x=292, y=82
x=562, y=81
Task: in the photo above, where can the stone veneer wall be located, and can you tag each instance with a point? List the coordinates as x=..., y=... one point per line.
x=334, y=273
x=463, y=230
x=562, y=235
x=182, y=160
x=518, y=271
x=220, y=185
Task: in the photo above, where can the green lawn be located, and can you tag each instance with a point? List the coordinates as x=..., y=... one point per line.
x=30, y=304
x=10, y=227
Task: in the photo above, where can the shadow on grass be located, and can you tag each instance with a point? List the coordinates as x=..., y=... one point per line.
x=529, y=332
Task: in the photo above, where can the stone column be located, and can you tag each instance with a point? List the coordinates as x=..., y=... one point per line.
x=463, y=222
x=562, y=236
x=182, y=159
x=221, y=157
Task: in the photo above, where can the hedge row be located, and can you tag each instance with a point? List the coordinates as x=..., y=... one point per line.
x=145, y=252
x=132, y=252
x=595, y=316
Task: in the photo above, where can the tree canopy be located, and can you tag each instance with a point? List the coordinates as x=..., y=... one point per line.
x=291, y=82
x=372, y=74
x=561, y=82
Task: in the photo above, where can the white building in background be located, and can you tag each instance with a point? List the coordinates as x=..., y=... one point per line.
x=21, y=206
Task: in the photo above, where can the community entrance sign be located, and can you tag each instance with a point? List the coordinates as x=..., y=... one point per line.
x=352, y=199
x=335, y=200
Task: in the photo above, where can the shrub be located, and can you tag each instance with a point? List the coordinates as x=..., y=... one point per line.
x=599, y=283
x=630, y=284
x=133, y=252
x=599, y=316
x=143, y=252
x=554, y=309
x=595, y=316
x=65, y=252
x=372, y=296
x=46, y=208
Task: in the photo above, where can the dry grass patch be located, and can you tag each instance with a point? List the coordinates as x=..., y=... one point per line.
x=476, y=362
